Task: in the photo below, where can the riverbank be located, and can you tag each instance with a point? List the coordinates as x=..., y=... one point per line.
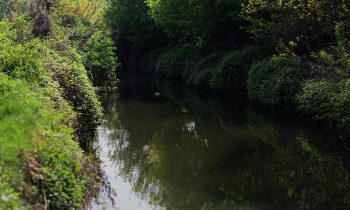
x=49, y=107
x=281, y=55
x=285, y=82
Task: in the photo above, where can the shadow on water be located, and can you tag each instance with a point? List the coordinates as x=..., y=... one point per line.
x=183, y=151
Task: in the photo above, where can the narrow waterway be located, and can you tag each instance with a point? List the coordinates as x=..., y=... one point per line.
x=165, y=147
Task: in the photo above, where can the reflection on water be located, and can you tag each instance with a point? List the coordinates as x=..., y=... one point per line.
x=181, y=151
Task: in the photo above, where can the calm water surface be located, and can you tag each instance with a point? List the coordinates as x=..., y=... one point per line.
x=182, y=151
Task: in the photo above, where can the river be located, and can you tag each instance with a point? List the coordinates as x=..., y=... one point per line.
x=164, y=147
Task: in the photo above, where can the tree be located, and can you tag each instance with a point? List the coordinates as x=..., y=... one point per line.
x=307, y=24
x=198, y=20
x=133, y=29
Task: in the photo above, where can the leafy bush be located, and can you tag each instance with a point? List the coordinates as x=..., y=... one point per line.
x=177, y=61
x=327, y=101
x=77, y=89
x=21, y=60
x=232, y=73
x=94, y=44
x=204, y=69
x=274, y=81
x=24, y=62
x=325, y=94
x=63, y=181
x=7, y=33
x=225, y=72
x=100, y=60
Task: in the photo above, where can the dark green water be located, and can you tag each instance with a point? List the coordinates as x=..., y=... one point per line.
x=182, y=151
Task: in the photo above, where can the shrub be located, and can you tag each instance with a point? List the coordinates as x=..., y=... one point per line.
x=77, y=89
x=274, y=81
x=178, y=61
x=63, y=181
x=7, y=33
x=100, y=60
x=204, y=69
x=326, y=101
x=232, y=73
x=23, y=61
x=54, y=170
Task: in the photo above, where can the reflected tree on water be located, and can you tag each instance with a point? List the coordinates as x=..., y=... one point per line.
x=179, y=161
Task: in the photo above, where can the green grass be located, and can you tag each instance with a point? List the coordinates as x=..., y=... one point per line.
x=19, y=108
x=29, y=122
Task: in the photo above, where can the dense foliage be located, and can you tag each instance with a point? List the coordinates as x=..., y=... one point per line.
x=30, y=117
x=197, y=21
x=232, y=72
x=51, y=55
x=276, y=52
x=52, y=52
x=274, y=81
x=100, y=60
x=306, y=24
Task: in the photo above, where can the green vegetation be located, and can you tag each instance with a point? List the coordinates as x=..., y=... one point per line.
x=51, y=54
x=133, y=29
x=177, y=61
x=9, y=198
x=30, y=127
x=327, y=101
x=275, y=80
x=221, y=71
x=275, y=52
x=196, y=21
x=100, y=60
x=232, y=73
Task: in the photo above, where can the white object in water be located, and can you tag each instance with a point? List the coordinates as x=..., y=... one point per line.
x=156, y=94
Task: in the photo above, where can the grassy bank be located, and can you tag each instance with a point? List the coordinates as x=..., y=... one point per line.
x=36, y=150
x=49, y=109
